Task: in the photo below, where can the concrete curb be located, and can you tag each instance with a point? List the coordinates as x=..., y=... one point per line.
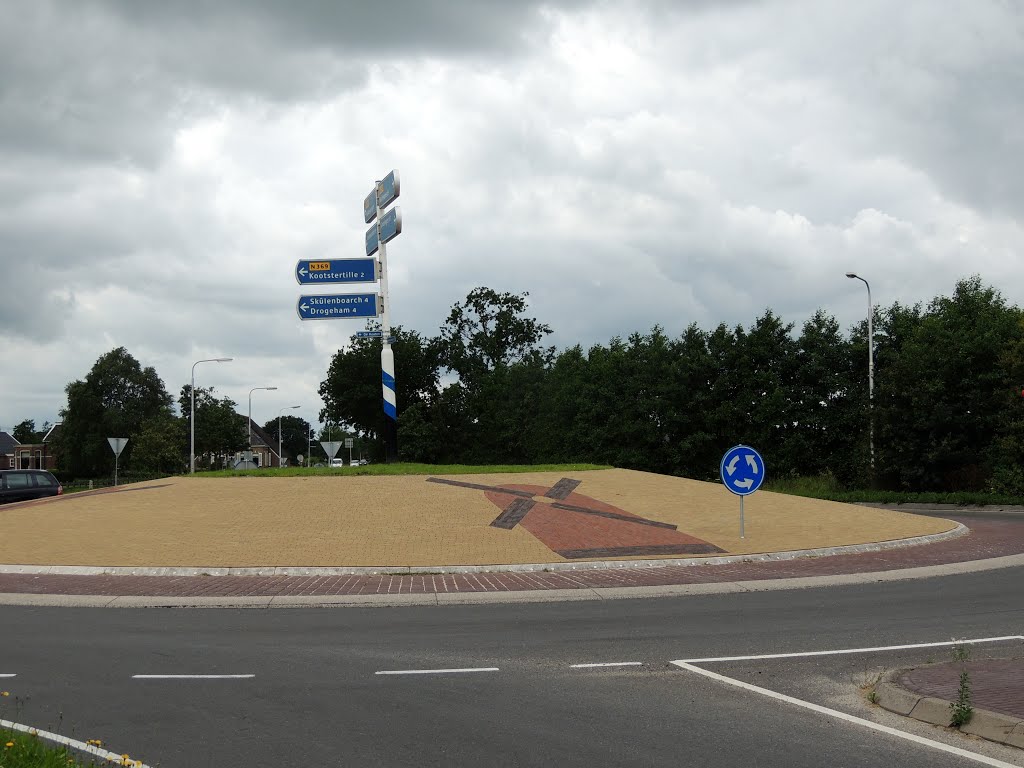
x=98, y=570
x=524, y=596
x=984, y=724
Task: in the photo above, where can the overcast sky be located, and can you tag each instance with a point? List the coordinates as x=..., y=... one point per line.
x=164, y=165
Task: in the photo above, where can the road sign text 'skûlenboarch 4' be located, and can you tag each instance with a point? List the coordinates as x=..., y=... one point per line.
x=338, y=306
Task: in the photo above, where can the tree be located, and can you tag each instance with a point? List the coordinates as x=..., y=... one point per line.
x=561, y=429
x=352, y=390
x=219, y=431
x=830, y=404
x=25, y=432
x=296, y=436
x=114, y=400
x=493, y=349
x=487, y=331
x=160, y=447
x=943, y=398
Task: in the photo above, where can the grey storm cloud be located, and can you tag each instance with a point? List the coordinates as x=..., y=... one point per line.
x=163, y=165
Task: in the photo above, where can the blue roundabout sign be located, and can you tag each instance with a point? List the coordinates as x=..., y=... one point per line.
x=742, y=470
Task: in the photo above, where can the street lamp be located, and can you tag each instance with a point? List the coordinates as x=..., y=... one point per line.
x=192, y=419
x=871, y=366
x=250, y=412
x=286, y=408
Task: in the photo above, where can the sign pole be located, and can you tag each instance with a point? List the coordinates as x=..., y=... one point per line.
x=387, y=355
x=117, y=445
x=742, y=473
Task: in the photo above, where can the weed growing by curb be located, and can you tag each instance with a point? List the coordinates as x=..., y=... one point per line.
x=870, y=683
x=961, y=710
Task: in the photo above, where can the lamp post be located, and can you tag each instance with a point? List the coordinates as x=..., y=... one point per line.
x=286, y=408
x=192, y=418
x=250, y=412
x=309, y=442
x=871, y=367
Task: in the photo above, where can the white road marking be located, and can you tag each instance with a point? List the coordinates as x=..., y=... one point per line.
x=191, y=677
x=434, y=671
x=848, y=718
x=10, y=674
x=80, y=745
x=608, y=664
x=850, y=650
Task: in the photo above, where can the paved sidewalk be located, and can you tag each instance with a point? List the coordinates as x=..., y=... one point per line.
x=987, y=539
x=996, y=694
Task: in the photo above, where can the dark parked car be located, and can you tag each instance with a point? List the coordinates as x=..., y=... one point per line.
x=25, y=484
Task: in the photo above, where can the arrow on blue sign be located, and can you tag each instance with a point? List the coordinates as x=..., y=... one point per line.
x=390, y=226
x=742, y=470
x=369, y=334
x=338, y=306
x=315, y=272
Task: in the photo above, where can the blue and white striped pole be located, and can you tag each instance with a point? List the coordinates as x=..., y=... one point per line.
x=387, y=355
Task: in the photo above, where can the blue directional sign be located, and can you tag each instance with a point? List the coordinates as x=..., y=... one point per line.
x=338, y=306
x=317, y=272
x=390, y=225
x=742, y=470
x=373, y=335
x=382, y=195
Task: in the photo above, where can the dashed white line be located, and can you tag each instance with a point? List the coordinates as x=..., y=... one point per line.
x=9, y=674
x=191, y=677
x=850, y=650
x=607, y=664
x=848, y=718
x=434, y=671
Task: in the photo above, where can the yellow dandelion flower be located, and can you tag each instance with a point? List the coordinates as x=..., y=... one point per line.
x=9, y=744
x=5, y=693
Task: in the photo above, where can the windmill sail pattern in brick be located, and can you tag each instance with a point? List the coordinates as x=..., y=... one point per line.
x=576, y=526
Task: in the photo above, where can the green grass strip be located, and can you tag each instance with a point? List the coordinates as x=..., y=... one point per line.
x=825, y=488
x=23, y=750
x=400, y=468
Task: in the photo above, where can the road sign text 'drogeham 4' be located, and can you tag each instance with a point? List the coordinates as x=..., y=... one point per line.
x=338, y=306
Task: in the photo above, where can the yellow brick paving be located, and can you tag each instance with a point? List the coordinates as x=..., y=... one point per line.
x=400, y=520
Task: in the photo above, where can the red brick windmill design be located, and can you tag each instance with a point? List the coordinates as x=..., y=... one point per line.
x=577, y=526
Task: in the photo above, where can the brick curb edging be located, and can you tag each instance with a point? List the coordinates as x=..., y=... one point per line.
x=850, y=549
x=406, y=599
x=992, y=726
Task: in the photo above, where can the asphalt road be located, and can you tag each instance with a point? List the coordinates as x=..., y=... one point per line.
x=315, y=697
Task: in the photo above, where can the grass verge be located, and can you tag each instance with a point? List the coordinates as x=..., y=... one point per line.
x=826, y=487
x=400, y=468
x=25, y=750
